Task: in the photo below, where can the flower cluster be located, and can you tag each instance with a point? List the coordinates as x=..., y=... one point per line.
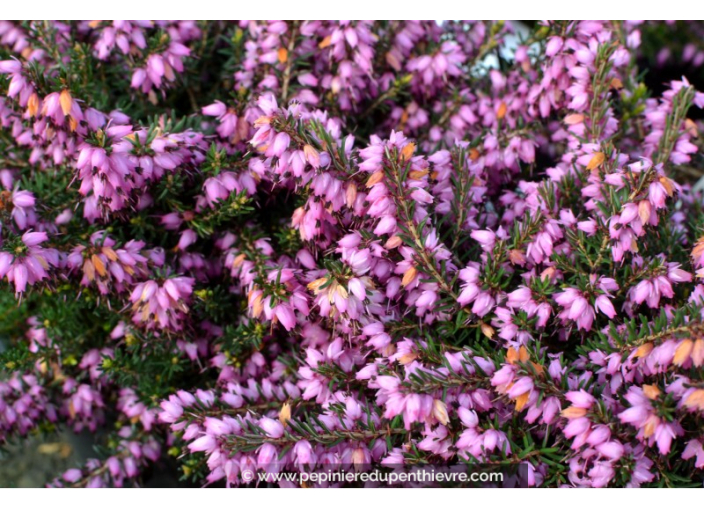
x=288, y=246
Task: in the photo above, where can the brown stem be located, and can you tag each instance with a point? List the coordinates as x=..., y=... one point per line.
x=289, y=63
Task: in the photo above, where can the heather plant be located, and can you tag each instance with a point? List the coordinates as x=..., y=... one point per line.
x=280, y=246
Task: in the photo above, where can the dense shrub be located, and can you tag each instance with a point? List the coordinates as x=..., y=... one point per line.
x=282, y=245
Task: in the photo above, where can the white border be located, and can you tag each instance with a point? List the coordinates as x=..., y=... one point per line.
x=357, y=499
x=359, y=9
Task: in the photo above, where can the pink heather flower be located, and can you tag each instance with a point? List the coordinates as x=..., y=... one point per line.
x=72, y=475
x=612, y=450
x=203, y=444
x=217, y=109
x=576, y=306
x=106, y=265
x=580, y=399
x=603, y=304
x=281, y=143
x=23, y=212
x=29, y=263
x=485, y=238
x=162, y=305
x=470, y=288
x=521, y=386
x=271, y=427
x=694, y=449
x=642, y=416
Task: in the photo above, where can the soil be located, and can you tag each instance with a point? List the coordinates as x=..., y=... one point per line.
x=36, y=461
